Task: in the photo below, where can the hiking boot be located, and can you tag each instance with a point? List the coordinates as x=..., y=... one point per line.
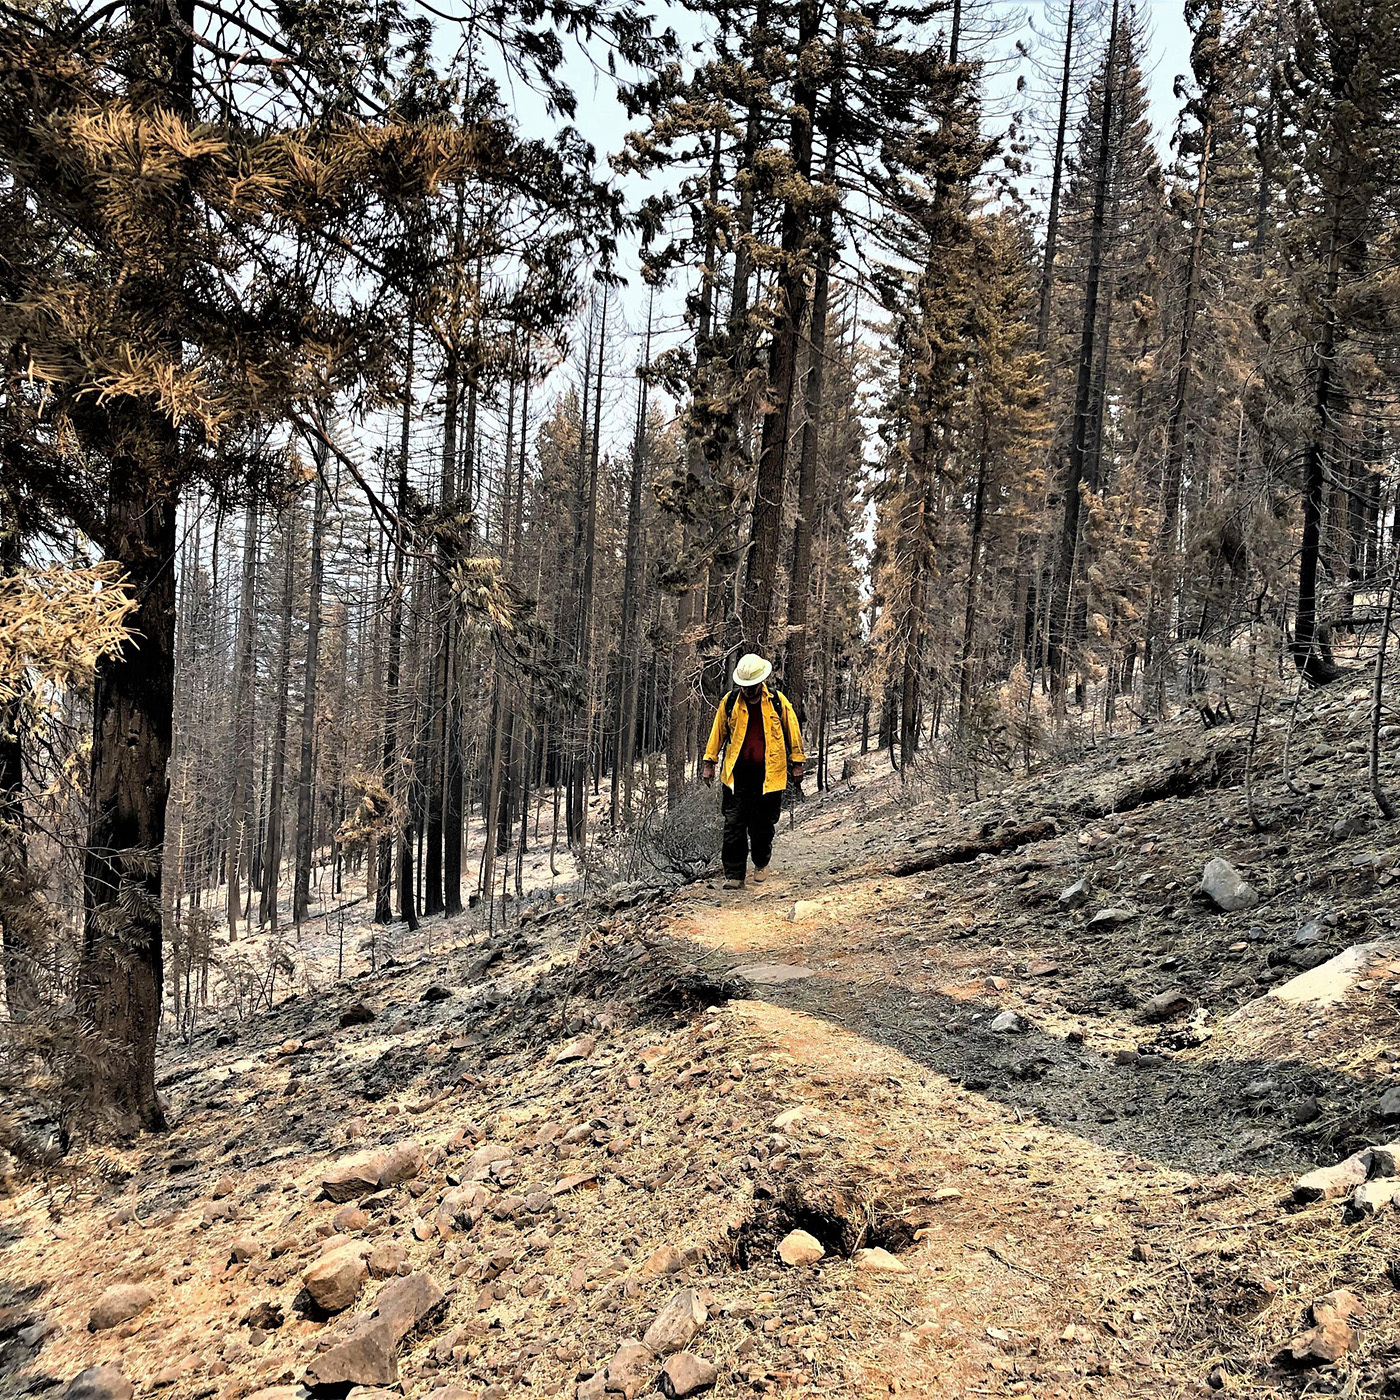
x=760, y=874
x=732, y=884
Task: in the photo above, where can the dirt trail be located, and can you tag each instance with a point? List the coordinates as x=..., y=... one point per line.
x=1023, y=1278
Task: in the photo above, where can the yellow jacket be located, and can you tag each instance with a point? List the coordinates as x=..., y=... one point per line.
x=727, y=732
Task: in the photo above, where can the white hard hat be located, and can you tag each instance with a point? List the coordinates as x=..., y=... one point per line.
x=752, y=670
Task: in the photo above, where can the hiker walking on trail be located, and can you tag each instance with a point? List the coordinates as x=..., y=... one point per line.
x=757, y=729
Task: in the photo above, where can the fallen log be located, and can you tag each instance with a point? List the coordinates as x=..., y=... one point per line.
x=1007, y=838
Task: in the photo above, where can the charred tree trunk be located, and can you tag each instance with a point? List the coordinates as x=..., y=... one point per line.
x=239, y=837
x=762, y=567
x=622, y=751
x=272, y=856
x=799, y=592
x=383, y=889
x=22, y=944
x=1083, y=384
x=121, y=969
x=306, y=773
x=1052, y=218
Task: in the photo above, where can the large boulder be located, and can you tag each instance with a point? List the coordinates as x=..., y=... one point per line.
x=403, y=1162
x=1327, y=1183
x=354, y=1176
x=369, y=1354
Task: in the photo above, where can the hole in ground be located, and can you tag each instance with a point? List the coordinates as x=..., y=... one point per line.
x=842, y=1219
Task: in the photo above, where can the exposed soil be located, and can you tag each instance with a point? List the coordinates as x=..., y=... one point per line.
x=1083, y=1201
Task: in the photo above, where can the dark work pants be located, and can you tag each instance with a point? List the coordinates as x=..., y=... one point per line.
x=750, y=815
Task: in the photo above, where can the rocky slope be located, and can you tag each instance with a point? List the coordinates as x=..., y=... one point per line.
x=971, y=1098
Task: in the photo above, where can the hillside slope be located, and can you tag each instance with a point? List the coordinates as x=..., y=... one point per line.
x=1043, y=1132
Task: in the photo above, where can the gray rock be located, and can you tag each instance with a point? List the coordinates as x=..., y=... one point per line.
x=1312, y=932
x=1226, y=887
x=1389, y=1106
x=1007, y=1023
x=1385, y=1160
x=1111, y=916
x=99, y=1383
x=119, y=1304
x=1165, y=1005
x=1072, y=896
x=676, y=1323
x=1305, y=1111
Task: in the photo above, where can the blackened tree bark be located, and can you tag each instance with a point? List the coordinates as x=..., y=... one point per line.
x=1052, y=217
x=306, y=773
x=1084, y=372
x=236, y=856
x=276, y=803
x=578, y=825
x=622, y=751
x=21, y=946
x=762, y=568
x=799, y=589
x=121, y=968
x=383, y=888
x=1311, y=652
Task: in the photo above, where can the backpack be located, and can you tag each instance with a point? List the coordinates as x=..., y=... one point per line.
x=781, y=703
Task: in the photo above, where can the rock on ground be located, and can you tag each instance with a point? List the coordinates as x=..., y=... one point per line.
x=99, y=1383
x=369, y=1356
x=687, y=1374
x=879, y=1261
x=1331, y=1333
x=1327, y=1183
x=630, y=1372
x=1226, y=887
x=119, y=1304
x=797, y=1247
x=676, y=1323
x=334, y=1281
x=1165, y=1005
x=353, y=1176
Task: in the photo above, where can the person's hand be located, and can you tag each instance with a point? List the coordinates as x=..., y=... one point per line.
x=797, y=772
x=707, y=772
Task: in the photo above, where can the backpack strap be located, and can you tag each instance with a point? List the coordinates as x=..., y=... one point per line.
x=727, y=706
